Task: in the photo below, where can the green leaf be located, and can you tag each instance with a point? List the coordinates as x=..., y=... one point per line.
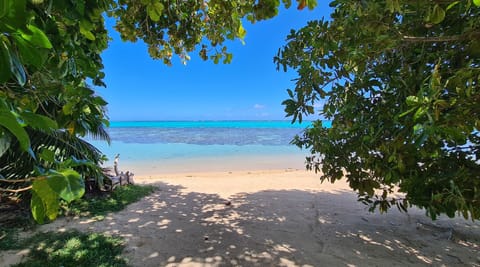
x=412, y=100
x=16, y=67
x=47, y=155
x=437, y=15
x=4, y=6
x=12, y=60
x=88, y=34
x=68, y=108
x=36, y=37
x=29, y=53
x=476, y=2
x=454, y=4
x=393, y=5
x=241, y=32
x=100, y=101
x=17, y=15
x=46, y=197
x=85, y=30
x=8, y=120
x=310, y=109
x=37, y=207
x=419, y=114
x=228, y=58
x=68, y=184
x=406, y=112
x=311, y=4
x=155, y=10
x=39, y=122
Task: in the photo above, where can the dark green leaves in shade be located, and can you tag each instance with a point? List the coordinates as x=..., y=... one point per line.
x=49, y=189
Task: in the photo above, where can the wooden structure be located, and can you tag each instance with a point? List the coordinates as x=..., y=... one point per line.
x=119, y=178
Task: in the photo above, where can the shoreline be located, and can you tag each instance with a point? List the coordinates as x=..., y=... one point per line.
x=212, y=164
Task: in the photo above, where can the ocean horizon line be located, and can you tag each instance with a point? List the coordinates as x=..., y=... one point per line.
x=221, y=120
x=245, y=124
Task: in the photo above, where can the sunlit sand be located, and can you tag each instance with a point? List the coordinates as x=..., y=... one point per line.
x=274, y=217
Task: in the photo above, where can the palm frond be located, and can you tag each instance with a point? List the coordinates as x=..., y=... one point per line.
x=18, y=164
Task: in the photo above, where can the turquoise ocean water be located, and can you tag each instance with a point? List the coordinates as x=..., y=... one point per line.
x=158, y=144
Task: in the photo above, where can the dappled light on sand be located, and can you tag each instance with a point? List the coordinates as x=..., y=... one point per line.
x=182, y=224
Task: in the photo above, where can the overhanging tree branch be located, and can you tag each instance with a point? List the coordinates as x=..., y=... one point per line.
x=416, y=39
x=450, y=38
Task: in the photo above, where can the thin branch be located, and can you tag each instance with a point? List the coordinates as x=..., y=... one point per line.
x=19, y=180
x=16, y=190
x=414, y=39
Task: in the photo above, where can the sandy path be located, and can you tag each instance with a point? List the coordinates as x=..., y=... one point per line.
x=276, y=218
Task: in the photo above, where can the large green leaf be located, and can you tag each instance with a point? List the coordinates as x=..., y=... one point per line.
x=39, y=122
x=68, y=108
x=36, y=37
x=16, y=15
x=11, y=59
x=37, y=207
x=29, y=53
x=437, y=15
x=155, y=10
x=86, y=30
x=47, y=198
x=68, y=184
x=4, y=6
x=8, y=120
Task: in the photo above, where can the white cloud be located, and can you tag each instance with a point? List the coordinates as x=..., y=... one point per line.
x=258, y=106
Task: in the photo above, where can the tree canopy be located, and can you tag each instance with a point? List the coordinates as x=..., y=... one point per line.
x=50, y=57
x=399, y=81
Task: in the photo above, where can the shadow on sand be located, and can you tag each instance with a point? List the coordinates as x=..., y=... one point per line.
x=174, y=227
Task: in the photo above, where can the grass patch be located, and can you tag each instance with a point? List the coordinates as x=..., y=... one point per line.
x=11, y=229
x=116, y=201
x=9, y=238
x=74, y=249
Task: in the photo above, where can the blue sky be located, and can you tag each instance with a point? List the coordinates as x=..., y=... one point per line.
x=249, y=88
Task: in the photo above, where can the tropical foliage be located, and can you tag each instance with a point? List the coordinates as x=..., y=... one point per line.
x=399, y=81
x=50, y=57
x=70, y=248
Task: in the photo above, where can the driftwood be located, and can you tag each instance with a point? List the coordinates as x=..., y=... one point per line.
x=119, y=178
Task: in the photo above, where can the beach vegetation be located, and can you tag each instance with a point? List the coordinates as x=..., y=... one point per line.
x=117, y=200
x=50, y=59
x=399, y=81
x=70, y=248
x=73, y=248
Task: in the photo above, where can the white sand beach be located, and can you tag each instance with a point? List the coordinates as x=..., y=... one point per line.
x=277, y=217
